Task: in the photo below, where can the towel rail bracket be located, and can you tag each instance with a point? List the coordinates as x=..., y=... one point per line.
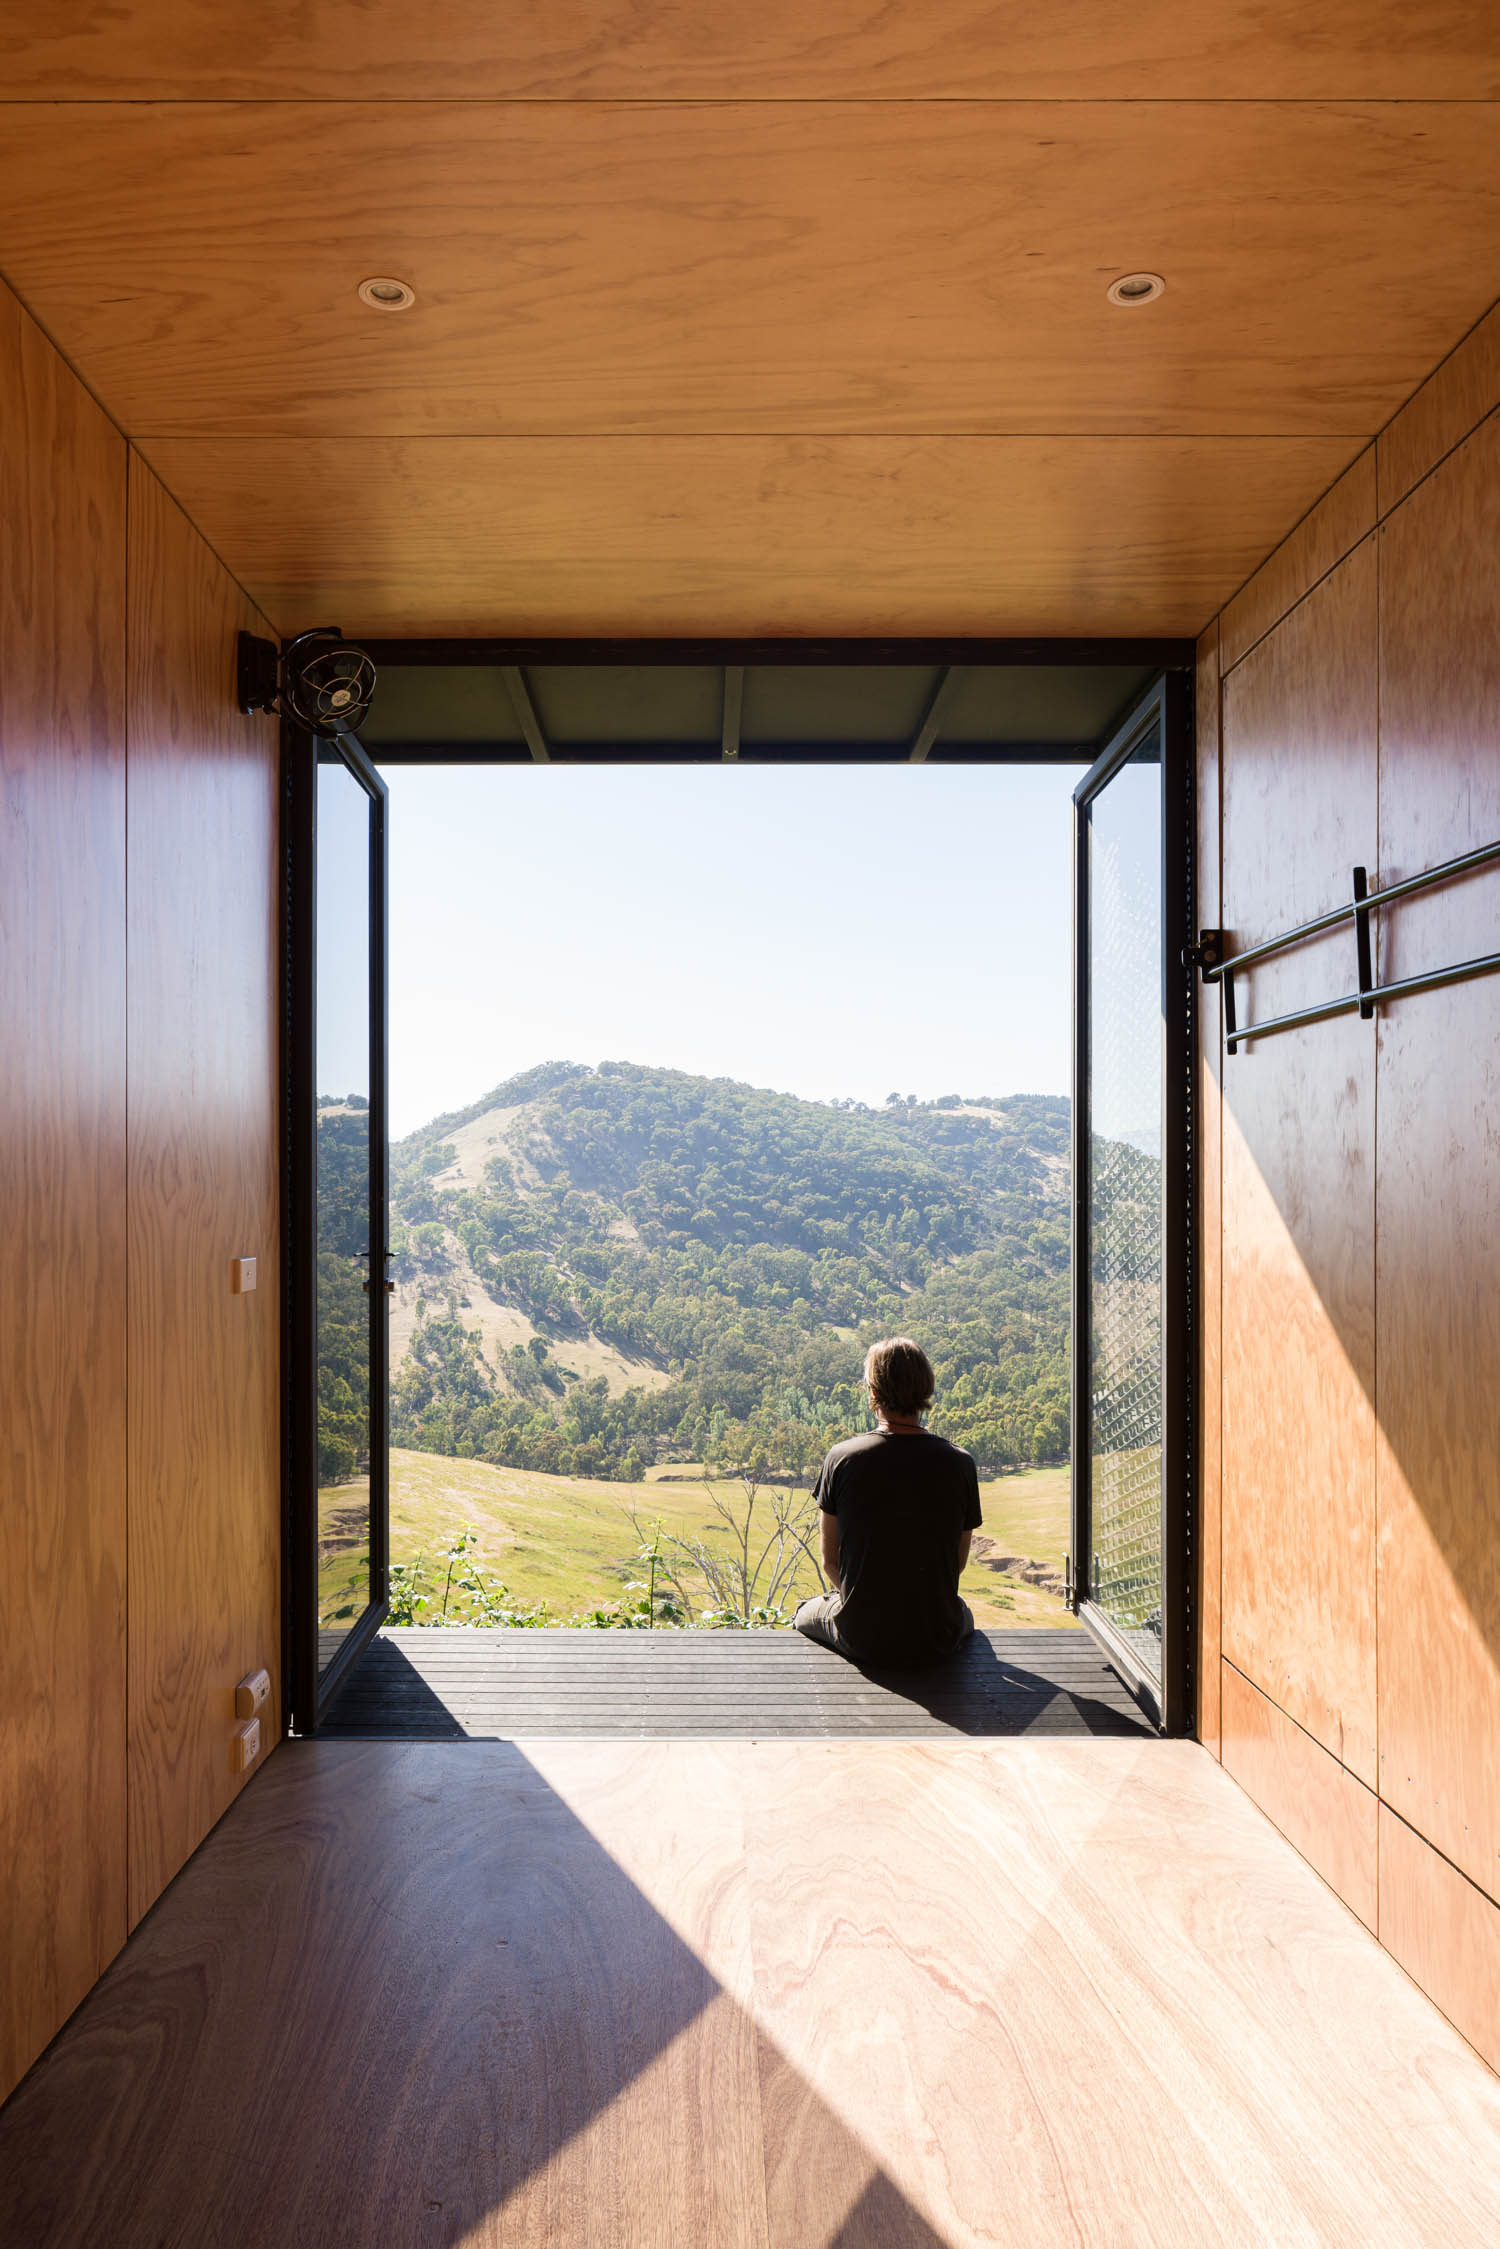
x=1218, y=966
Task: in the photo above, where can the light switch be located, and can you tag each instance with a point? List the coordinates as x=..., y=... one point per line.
x=242, y=1275
x=244, y=1746
x=252, y=1694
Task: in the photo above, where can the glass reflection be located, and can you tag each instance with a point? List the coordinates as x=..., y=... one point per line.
x=343, y=1199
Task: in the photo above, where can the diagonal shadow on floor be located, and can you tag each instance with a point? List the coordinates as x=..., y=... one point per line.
x=402, y=1995
x=884, y=2219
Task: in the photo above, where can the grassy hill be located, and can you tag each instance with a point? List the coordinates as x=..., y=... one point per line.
x=568, y=1541
x=603, y=1272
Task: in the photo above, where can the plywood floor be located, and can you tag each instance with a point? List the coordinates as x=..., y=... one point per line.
x=443, y=1685
x=792, y=1995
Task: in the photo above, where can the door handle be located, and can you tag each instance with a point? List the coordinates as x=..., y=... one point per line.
x=390, y=1287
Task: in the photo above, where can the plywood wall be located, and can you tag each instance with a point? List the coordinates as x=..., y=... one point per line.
x=204, y=1432
x=1355, y=1630
x=62, y=1191
x=139, y=1515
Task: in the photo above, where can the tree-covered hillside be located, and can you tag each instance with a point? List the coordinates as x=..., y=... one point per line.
x=725, y=1255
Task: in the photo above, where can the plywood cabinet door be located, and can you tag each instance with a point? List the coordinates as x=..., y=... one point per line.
x=62, y=1191
x=1299, y=796
x=1439, y=1192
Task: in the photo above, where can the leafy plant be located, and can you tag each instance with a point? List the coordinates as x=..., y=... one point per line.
x=470, y=1593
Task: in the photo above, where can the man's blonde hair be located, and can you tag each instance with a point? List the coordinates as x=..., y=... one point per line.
x=899, y=1375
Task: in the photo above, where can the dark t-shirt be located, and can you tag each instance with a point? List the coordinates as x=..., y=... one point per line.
x=902, y=1501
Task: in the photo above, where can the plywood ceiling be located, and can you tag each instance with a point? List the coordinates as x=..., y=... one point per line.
x=619, y=536
x=797, y=336
x=597, y=50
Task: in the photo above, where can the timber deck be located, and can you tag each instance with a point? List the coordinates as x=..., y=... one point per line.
x=433, y=1683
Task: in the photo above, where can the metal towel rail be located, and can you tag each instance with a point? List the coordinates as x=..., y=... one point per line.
x=1208, y=954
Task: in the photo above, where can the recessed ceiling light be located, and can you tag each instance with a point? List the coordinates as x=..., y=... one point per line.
x=386, y=294
x=1135, y=289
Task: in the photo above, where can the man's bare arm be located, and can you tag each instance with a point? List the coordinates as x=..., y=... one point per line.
x=965, y=1540
x=830, y=1546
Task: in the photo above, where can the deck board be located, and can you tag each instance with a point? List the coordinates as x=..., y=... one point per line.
x=438, y=1683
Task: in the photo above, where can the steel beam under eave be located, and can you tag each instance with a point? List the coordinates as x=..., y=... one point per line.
x=525, y=710
x=734, y=703
x=927, y=732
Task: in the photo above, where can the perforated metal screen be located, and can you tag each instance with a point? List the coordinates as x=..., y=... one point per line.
x=1125, y=1201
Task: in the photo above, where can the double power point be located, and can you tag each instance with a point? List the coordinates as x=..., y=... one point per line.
x=250, y=1698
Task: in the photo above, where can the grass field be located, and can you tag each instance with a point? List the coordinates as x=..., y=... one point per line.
x=568, y=1541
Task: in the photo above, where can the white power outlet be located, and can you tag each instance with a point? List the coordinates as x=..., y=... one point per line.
x=245, y=1746
x=252, y=1694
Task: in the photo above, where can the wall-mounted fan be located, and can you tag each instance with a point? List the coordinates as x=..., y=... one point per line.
x=321, y=680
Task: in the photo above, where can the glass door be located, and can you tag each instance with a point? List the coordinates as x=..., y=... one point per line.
x=1130, y=1566
x=337, y=1214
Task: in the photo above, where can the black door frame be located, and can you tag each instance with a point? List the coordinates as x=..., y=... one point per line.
x=309, y=1692
x=1166, y=706
x=1169, y=697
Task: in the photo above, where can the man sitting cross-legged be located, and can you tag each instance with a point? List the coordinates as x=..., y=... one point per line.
x=898, y=1510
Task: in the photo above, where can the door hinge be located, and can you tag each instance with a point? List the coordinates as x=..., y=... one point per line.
x=1208, y=953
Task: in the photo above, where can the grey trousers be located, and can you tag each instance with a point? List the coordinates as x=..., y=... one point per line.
x=818, y=1619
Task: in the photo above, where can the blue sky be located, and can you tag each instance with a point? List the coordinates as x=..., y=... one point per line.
x=824, y=932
